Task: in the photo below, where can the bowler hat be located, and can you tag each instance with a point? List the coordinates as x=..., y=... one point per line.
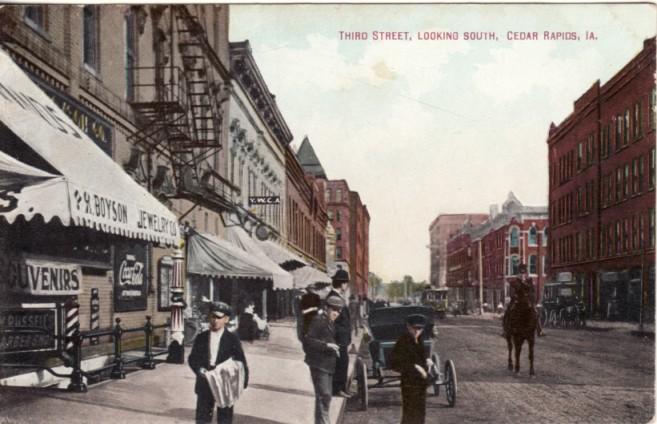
x=220, y=309
x=340, y=276
x=334, y=302
x=416, y=320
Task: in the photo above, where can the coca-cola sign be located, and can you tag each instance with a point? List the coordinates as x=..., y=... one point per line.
x=130, y=277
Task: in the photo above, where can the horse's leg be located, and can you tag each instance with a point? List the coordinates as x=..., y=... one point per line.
x=510, y=346
x=517, y=342
x=530, y=342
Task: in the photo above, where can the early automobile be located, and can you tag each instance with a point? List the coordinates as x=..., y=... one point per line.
x=384, y=326
x=561, y=307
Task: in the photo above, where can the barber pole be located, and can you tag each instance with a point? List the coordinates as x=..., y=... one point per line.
x=94, y=320
x=72, y=322
x=176, y=348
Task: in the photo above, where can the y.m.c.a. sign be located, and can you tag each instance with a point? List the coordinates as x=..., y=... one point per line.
x=39, y=277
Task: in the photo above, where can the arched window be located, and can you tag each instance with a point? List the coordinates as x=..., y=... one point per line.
x=533, y=264
x=532, y=236
x=514, y=237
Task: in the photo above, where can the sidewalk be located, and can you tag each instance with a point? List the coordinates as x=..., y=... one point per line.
x=280, y=391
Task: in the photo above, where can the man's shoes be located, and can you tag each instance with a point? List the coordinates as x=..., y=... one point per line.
x=344, y=394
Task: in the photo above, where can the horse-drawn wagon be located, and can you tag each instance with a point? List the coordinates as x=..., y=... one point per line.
x=384, y=326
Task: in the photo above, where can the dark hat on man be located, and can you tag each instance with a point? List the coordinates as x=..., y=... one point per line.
x=220, y=309
x=334, y=302
x=522, y=268
x=340, y=276
x=416, y=320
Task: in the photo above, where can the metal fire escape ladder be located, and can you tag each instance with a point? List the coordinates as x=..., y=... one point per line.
x=202, y=90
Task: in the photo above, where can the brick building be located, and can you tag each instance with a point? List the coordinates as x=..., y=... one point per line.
x=602, y=198
x=513, y=236
x=349, y=218
x=440, y=230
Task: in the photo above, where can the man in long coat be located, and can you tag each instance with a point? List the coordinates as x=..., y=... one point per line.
x=321, y=351
x=410, y=360
x=342, y=334
x=211, y=348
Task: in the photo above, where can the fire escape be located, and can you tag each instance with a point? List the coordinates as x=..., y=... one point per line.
x=180, y=114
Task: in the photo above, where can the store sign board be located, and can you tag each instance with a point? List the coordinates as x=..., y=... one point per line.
x=264, y=200
x=97, y=128
x=565, y=277
x=40, y=277
x=130, y=278
x=28, y=330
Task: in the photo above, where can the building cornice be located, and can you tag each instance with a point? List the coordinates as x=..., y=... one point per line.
x=245, y=71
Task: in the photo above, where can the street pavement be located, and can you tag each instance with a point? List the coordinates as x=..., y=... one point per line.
x=280, y=391
x=596, y=375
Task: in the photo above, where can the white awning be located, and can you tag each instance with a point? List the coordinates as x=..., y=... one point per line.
x=239, y=237
x=308, y=275
x=92, y=190
x=210, y=255
x=280, y=255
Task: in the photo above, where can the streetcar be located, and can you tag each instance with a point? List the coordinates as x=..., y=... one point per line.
x=436, y=298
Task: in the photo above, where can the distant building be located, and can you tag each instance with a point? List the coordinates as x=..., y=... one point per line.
x=440, y=231
x=602, y=192
x=515, y=235
x=350, y=220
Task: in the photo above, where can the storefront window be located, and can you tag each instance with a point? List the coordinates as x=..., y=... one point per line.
x=164, y=280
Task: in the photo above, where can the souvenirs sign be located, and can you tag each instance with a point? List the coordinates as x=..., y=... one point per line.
x=40, y=277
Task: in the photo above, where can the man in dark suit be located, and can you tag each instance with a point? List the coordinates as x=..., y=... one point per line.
x=211, y=348
x=309, y=305
x=410, y=360
x=342, y=333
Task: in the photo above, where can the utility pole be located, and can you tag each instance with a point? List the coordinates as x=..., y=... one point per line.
x=481, y=282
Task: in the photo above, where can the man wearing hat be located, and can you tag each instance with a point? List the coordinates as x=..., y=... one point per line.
x=342, y=333
x=211, y=348
x=523, y=283
x=321, y=351
x=409, y=358
x=309, y=305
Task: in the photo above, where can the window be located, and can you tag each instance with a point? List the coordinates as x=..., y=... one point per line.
x=626, y=235
x=619, y=187
x=338, y=195
x=626, y=181
x=579, y=200
x=626, y=127
x=636, y=122
x=533, y=263
x=651, y=227
x=619, y=131
x=327, y=195
x=532, y=236
x=635, y=233
x=514, y=237
x=590, y=149
x=338, y=216
x=653, y=108
x=603, y=142
x=642, y=227
x=617, y=237
x=130, y=53
x=338, y=252
x=90, y=35
x=580, y=154
x=330, y=215
x=338, y=234
x=514, y=263
x=544, y=242
x=651, y=175
x=640, y=178
x=36, y=16
x=635, y=175
x=164, y=280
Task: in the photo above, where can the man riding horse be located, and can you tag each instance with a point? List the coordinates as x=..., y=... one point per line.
x=525, y=285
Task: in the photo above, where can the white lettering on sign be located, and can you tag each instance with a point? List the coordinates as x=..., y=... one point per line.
x=154, y=222
x=37, y=277
x=264, y=200
x=101, y=207
x=131, y=272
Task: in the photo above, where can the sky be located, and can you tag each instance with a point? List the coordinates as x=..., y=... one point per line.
x=420, y=127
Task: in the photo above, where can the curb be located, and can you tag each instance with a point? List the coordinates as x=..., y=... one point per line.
x=350, y=374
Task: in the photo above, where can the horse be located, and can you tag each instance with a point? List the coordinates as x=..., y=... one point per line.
x=519, y=326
